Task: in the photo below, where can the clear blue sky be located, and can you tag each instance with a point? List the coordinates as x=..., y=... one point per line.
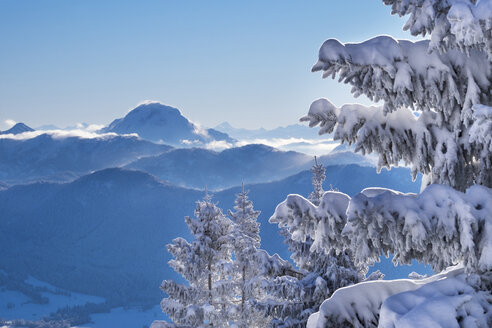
x=245, y=62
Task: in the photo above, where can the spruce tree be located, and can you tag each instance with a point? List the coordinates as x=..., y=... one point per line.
x=206, y=264
x=321, y=273
x=436, y=118
x=247, y=267
x=318, y=178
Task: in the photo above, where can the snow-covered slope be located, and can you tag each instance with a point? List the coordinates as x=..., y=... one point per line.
x=17, y=129
x=104, y=233
x=55, y=157
x=160, y=123
x=254, y=163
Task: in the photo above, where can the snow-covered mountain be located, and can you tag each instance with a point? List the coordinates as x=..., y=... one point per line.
x=198, y=167
x=164, y=124
x=17, y=129
x=103, y=234
x=57, y=157
x=297, y=131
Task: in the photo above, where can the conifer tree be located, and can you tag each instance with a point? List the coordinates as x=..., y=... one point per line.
x=206, y=264
x=247, y=267
x=437, y=119
x=318, y=178
x=321, y=273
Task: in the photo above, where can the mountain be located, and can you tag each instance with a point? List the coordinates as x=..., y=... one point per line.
x=164, y=124
x=17, y=129
x=104, y=233
x=198, y=167
x=297, y=131
x=57, y=157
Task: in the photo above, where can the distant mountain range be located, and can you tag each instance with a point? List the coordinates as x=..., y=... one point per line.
x=297, y=131
x=53, y=157
x=57, y=158
x=197, y=168
x=104, y=233
x=164, y=124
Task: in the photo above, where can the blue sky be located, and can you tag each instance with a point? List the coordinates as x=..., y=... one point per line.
x=245, y=62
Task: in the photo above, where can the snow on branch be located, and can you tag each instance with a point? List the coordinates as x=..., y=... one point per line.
x=458, y=160
x=323, y=223
x=481, y=143
x=405, y=303
x=441, y=226
x=462, y=24
x=404, y=74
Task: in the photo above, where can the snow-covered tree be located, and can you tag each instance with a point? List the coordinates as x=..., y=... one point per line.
x=320, y=273
x=318, y=178
x=206, y=264
x=436, y=118
x=247, y=269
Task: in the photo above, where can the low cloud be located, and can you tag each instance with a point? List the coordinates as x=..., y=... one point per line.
x=9, y=123
x=219, y=145
x=61, y=134
x=307, y=146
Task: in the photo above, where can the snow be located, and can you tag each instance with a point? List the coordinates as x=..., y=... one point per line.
x=16, y=305
x=419, y=141
x=441, y=226
x=437, y=301
x=125, y=318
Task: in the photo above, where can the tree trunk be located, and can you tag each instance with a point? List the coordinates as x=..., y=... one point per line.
x=243, y=291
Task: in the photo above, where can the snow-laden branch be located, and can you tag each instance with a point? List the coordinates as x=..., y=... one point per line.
x=462, y=24
x=481, y=143
x=444, y=300
x=440, y=227
x=323, y=223
x=404, y=74
x=456, y=159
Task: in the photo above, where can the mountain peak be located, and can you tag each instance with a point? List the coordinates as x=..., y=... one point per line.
x=157, y=122
x=154, y=107
x=224, y=125
x=17, y=129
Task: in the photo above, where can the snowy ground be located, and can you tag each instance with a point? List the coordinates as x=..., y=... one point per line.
x=16, y=305
x=126, y=318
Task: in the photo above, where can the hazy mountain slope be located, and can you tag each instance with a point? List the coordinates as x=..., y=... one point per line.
x=104, y=234
x=160, y=123
x=198, y=167
x=17, y=129
x=56, y=158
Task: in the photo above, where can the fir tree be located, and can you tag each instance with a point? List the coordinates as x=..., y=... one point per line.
x=207, y=265
x=321, y=273
x=246, y=235
x=318, y=178
x=437, y=119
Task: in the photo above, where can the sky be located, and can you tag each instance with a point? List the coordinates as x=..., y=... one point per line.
x=245, y=62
